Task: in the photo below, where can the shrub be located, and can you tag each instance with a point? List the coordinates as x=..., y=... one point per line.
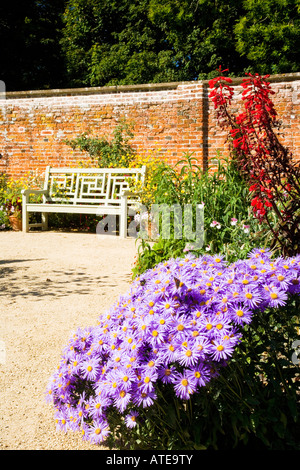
x=167, y=366
x=105, y=153
x=11, y=195
x=3, y=216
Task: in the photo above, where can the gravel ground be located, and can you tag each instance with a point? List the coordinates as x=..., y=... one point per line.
x=51, y=283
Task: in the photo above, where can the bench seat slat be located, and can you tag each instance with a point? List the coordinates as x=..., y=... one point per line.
x=72, y=209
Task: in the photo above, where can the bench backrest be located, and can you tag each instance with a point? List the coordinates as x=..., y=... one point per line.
x=90, y=185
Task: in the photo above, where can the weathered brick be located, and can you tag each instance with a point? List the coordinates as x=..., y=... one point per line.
x=172, y=119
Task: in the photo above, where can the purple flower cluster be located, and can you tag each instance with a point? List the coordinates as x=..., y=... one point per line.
x=178, y=324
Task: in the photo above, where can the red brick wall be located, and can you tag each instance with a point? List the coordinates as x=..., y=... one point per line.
x=172, y=119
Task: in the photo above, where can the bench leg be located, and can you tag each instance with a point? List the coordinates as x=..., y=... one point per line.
x=25, y=220
x=44, y=220
x=123, y=217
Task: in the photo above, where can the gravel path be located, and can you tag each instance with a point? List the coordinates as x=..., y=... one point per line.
x=51, y=283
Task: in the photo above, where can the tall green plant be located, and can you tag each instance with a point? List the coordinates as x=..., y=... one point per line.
x=229, y=226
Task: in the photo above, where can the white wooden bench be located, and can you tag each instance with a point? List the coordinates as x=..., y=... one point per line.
x=83, y=191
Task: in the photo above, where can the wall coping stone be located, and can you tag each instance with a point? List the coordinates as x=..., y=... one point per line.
x=115, y=89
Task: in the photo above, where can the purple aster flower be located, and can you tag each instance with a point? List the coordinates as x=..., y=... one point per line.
x=189, y=354
x=90, y=368
x=240, y=314
x=199, y=374
x=144, y=399
x=178, y=324
x=131, y=419
x=122, y=399
x=166, y=374
x=61, y=420
x=98, y=431
x=203, y=345
x=222, y=349
x=251, y=297
x=184, y=386
x=148, y=379
x=98, y=406
x=169, y=352
x=275, y=296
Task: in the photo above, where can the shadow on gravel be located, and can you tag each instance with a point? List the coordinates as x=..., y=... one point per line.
x=18, y=281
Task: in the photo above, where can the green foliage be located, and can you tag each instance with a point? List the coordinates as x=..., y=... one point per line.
x=77, y=43
x=110, y=43
x=3, y=187
x=225, y=196
x=106, y=153
x=267, y=34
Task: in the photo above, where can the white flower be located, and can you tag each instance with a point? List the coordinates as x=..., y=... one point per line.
x=207, y=248
x=233, y=221
x=246, y=228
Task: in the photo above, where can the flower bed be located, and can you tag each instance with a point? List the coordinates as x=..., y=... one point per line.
x=177, y=327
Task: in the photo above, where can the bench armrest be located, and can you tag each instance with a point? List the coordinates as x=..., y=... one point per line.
x=28, y=191
x=131, y=193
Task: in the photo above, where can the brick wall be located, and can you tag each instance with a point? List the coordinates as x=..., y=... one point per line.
x=171, y=119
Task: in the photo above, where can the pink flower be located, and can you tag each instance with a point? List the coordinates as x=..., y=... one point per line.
x=216, y=224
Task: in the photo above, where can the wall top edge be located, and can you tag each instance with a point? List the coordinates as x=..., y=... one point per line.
x=115, y=89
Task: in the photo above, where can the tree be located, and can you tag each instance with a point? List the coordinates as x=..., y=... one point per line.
x=75, y=43
x=29, y=34
x=139, y=41
x=268, y=35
